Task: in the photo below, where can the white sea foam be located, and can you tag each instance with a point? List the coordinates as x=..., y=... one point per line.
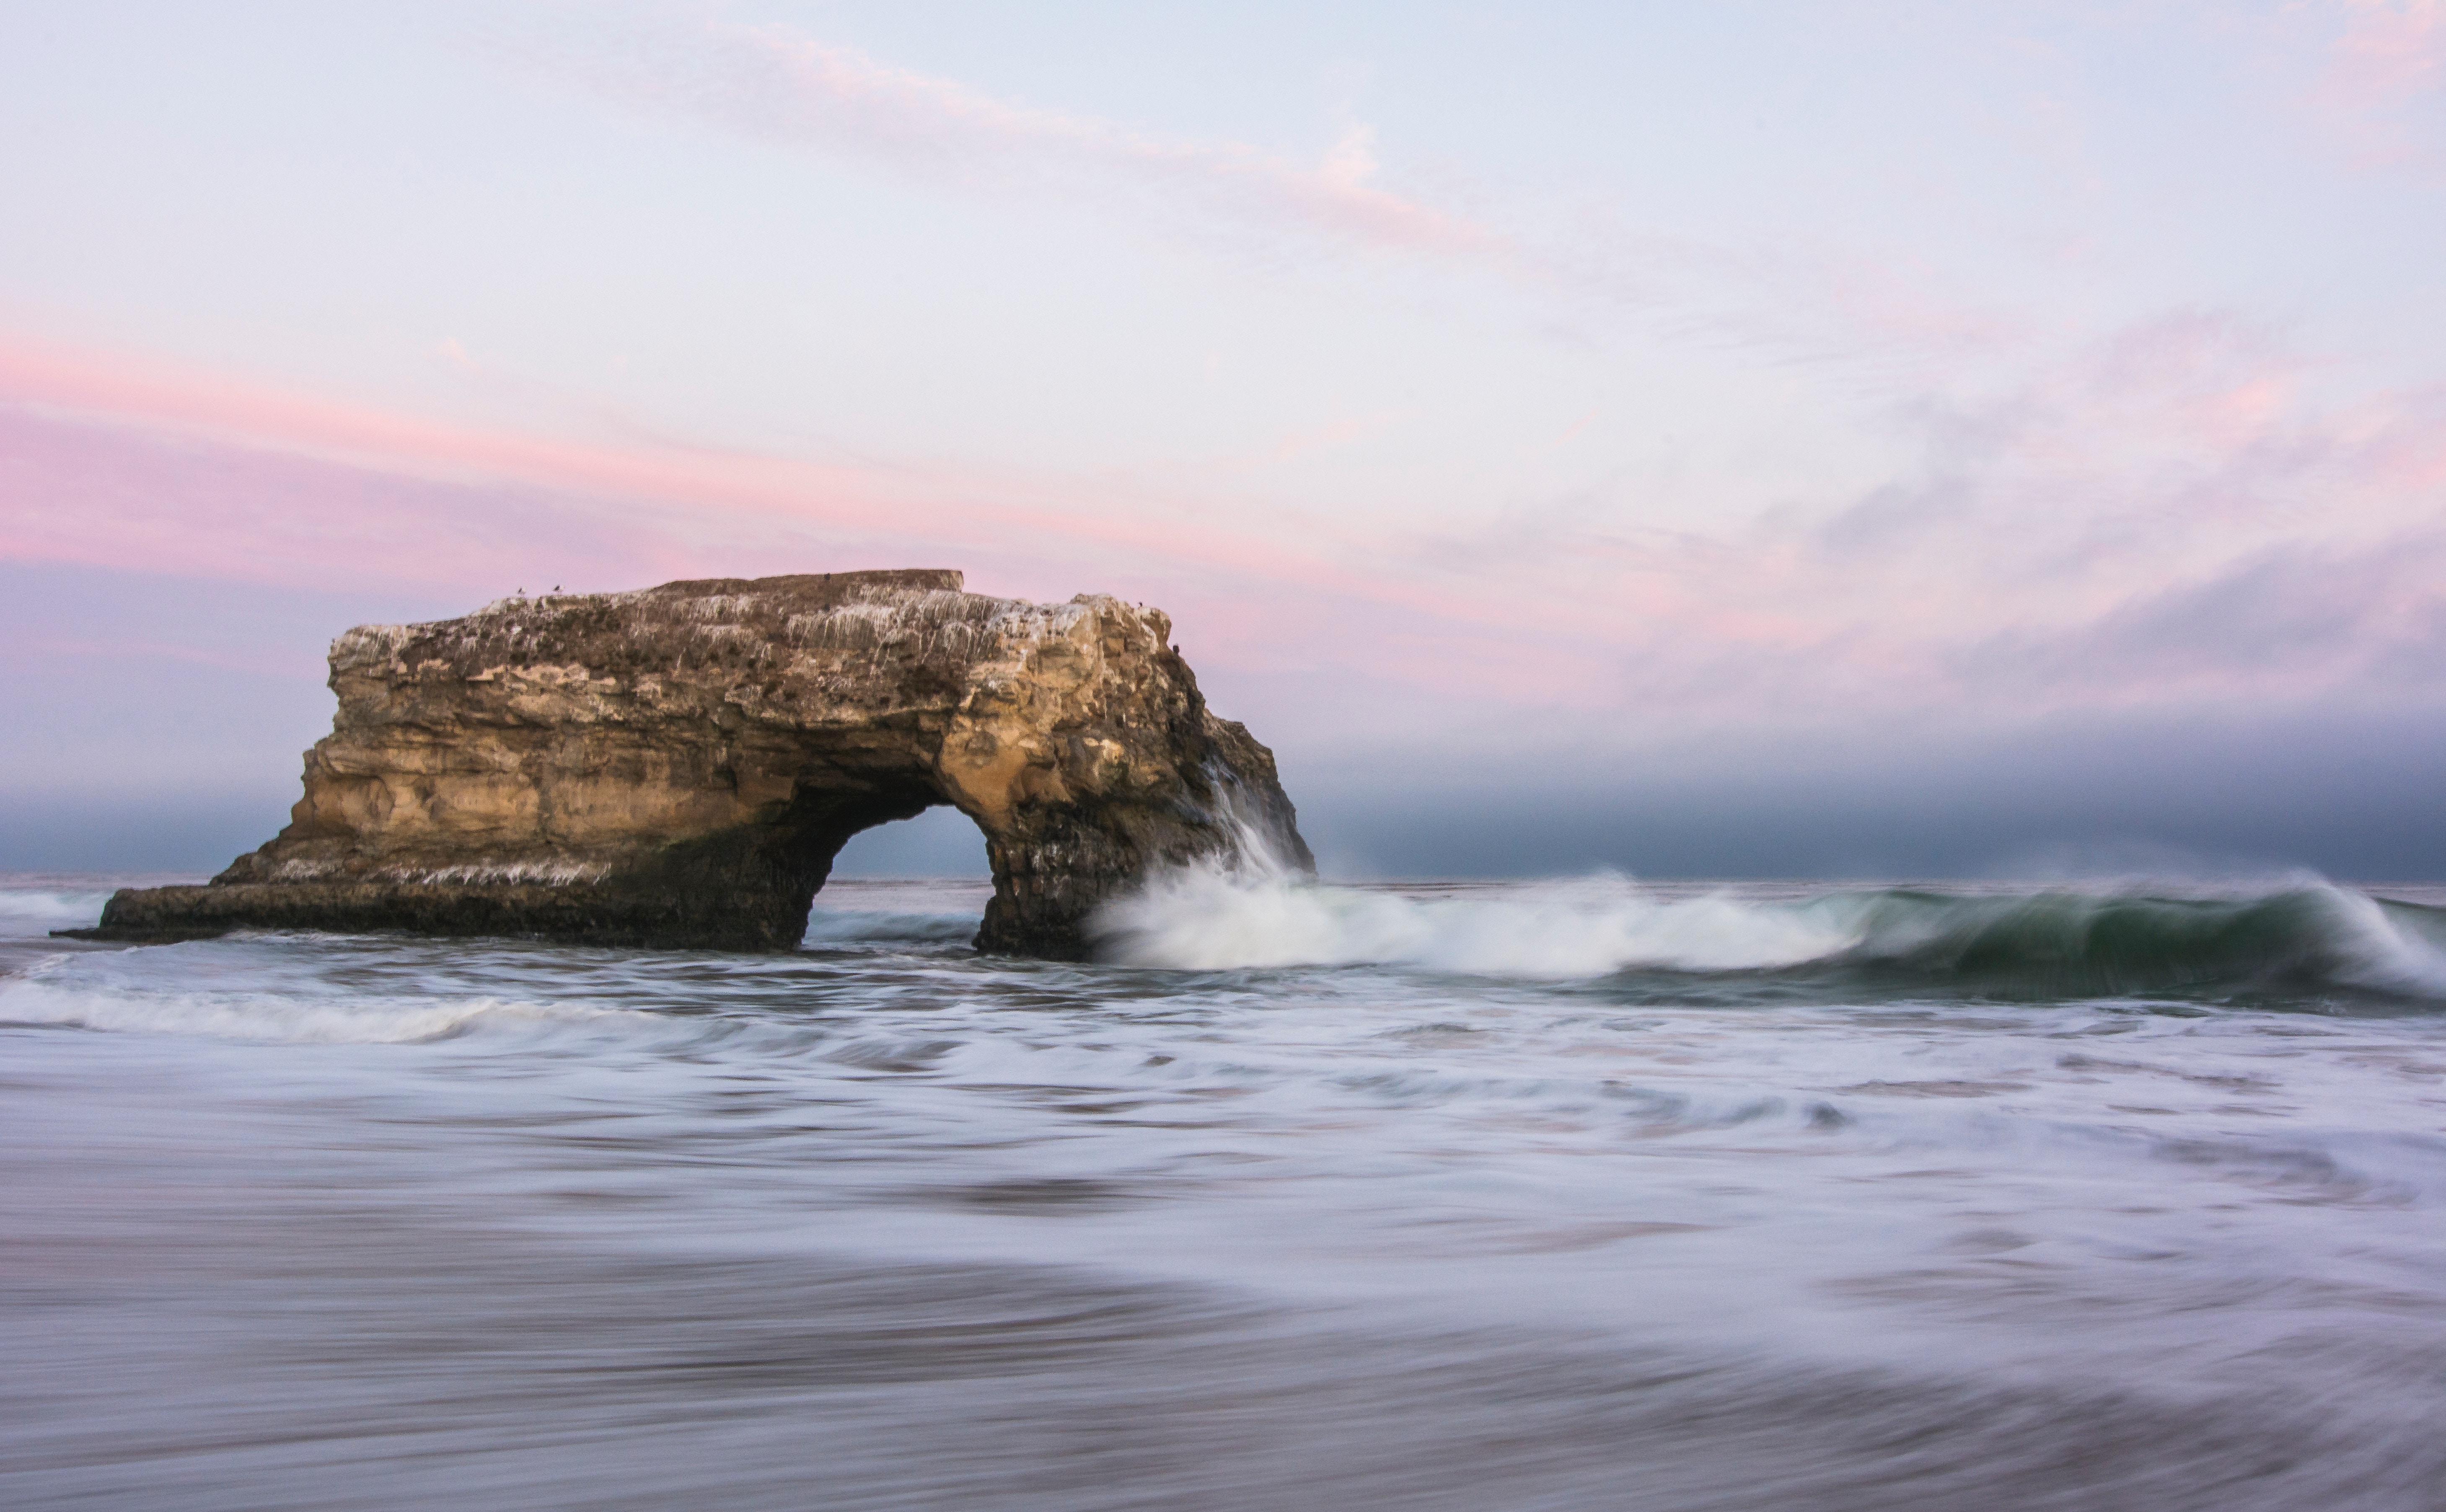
x=1213, y=916
x=2383, y=948
x=34, y=911
x=44, y=997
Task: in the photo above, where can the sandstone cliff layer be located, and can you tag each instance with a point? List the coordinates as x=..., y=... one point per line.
x=678, y=766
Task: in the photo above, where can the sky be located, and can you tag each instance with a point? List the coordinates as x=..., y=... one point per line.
x=1843, y=439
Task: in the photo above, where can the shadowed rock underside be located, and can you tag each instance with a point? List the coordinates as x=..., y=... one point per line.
x=678, y=766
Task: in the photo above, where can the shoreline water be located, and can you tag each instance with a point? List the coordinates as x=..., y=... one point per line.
x=370, y=1221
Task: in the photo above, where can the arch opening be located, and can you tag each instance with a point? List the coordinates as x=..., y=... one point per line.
x=940, y=842
x=917, y=883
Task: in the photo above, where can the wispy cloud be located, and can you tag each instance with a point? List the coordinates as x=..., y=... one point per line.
x=777, y=83
x=1799, y=295
x=2383, y=61
x=2390, y=50
x=2286, y=622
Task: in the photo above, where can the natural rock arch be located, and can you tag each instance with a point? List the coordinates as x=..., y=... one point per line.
x=678, y=766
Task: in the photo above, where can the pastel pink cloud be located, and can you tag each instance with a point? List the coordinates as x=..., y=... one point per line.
x=2391, y=47
x=2382, y=60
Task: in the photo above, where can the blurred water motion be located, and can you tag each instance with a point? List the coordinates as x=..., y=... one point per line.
x=2000, y=1201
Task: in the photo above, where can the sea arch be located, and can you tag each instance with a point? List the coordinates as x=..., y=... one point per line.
x=679, y=766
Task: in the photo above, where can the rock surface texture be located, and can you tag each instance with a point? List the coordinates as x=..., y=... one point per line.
x=678, y=766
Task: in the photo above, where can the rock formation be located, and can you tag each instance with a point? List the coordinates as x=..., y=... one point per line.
x=678, y=766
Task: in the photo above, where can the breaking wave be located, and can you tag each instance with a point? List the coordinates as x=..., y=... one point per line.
x=36, y=911
x=2306, y=934
x=1207, y=919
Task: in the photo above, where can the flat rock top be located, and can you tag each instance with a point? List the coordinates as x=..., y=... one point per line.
x=733, y=628
x=817, y=589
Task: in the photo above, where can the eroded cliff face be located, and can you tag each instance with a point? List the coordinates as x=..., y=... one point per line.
x=678, y=766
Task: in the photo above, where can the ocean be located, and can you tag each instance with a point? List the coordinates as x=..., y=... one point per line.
x=1578, y=1194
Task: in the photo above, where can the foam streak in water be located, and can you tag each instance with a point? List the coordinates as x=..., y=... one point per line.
x=275, y=1017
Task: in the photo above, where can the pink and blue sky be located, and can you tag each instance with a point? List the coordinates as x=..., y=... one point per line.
x=1713, y=438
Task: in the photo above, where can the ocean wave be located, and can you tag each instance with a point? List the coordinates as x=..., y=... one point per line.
x=37, y=911
x=2301, y=935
